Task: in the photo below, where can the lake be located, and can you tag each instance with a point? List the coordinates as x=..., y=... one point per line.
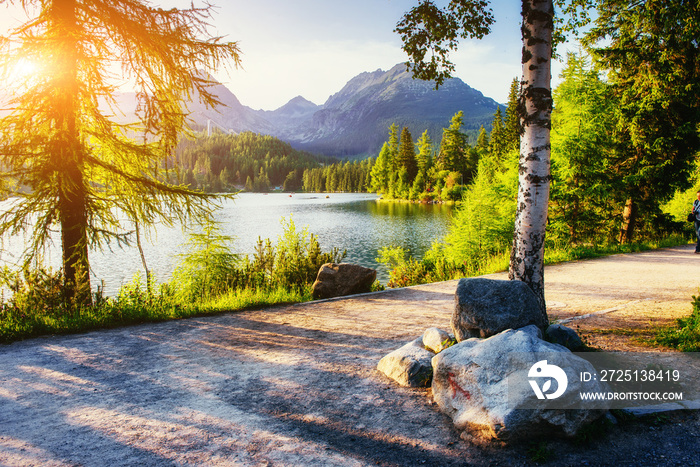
x=358, y=223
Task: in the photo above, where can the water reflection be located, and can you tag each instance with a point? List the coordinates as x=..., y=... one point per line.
x=358, y=223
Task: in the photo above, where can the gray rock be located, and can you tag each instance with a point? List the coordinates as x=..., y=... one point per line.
x=485, y=307
x=484, y=386
x=565, y=336
x=409, y=365
x=436, y=340
x=338, y=280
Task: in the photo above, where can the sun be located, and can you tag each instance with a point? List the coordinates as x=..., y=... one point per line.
x=25, y=67
x=20, y=75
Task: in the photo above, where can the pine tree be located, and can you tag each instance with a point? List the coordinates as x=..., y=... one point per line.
x=81, y=170
x=512, y=120
x=407, y=155
x=393, y=148
x=652, y=53
x=585, y=194
x=453, y=145
x=380, y=171
x=425, y=151
x=497, y=140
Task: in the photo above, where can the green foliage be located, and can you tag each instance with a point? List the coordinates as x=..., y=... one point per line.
x=207, y=268
x=406, y=158
x=452, y=154
x=483, y=224
x=437, y=265
x=429, y=30
x=256, y=162
x=348, y=177
x=400, y=173
x=586, y=195
x=298, y=257
x=40, y=291
x=404, y=270
x=65, y=160
x=208, y=279
x=650, y=51
x=685, y=336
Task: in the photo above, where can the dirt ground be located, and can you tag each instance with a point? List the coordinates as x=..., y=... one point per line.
x=298, y=385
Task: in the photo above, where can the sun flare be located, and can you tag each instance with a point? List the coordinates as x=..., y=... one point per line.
x=21, y=75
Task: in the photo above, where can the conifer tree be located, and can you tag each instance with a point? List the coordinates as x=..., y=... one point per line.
x=584, y=193
x=380, y=171
x=67, y=160
x=651, y=51
x=407, y=155
x=393, y=148
x=453, y=145
x=512, y=120
x=497, y=140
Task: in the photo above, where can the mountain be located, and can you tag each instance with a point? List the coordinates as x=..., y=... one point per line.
x=355, y=120
x=291, y=119
x=232, y=115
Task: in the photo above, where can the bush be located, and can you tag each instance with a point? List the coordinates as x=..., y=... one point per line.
x=686, y=335
x=210, y=270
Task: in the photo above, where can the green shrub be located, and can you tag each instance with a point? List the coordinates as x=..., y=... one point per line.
x=685, y=336
x=209, y=270
x=208, y=279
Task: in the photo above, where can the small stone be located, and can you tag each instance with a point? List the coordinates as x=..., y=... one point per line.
x=409, y=365
x=437, y=340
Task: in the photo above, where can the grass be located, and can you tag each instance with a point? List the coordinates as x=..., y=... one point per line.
x=132, y=307
x=685, y=336
x=136, y=304
x=555, y=254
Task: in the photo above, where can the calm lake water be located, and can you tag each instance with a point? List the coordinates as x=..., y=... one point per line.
x=358, y=223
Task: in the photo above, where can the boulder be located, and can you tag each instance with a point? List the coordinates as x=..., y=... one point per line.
x=409, y=365
x=485, y=307
x=337, y=280
x=436, y=340
x=486, y=386
x=562, y=335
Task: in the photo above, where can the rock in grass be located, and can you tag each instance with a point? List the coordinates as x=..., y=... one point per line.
x=338, y=280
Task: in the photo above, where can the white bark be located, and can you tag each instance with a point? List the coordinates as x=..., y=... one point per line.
x=527, y=257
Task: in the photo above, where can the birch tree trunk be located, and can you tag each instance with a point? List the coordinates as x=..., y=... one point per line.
x=527, y=255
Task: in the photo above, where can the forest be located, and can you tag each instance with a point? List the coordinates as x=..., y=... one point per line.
x=607, y=184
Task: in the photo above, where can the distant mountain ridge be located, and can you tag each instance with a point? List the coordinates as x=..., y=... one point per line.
x=355, y=120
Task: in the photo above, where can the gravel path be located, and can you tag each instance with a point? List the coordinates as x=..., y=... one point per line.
x=297, y=385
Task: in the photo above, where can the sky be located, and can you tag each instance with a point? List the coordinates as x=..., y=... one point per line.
x=313, y=48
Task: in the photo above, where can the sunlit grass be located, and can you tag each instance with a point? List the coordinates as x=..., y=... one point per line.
x=140, y=308
x=685, y=335
x=137, y=303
